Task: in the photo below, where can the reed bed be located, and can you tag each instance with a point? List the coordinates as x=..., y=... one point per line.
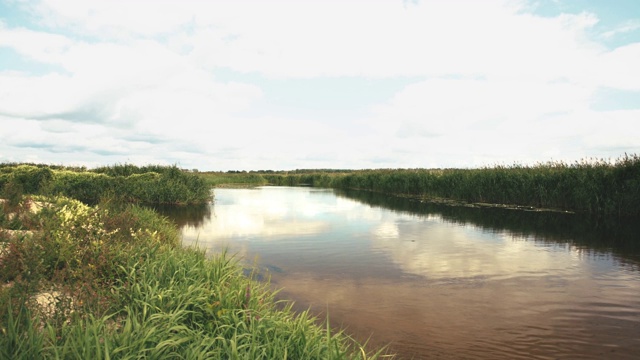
x=597, y=187
x=317, y=179
x=233, y=179
x=118, y=285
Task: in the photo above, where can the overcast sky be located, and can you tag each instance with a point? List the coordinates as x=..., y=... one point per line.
x=250, y=85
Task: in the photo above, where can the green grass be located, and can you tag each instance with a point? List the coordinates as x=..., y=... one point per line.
x=232, y=179
x=124, y=288
x=597, y=187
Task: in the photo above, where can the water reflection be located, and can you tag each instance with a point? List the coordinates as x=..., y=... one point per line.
x=273, y=214
x=186, y=216
x=586, y=234
x=439, y=281
x=449, y=251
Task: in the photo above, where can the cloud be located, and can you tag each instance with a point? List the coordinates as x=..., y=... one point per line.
x=390, y=39
x=616, y=69
x=36, y=45
x=309, y=39
x=473, y=81
x=626, y=27
x=483, y=118
x=107, y=19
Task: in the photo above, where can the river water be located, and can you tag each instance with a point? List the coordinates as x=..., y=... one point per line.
x=437, y=281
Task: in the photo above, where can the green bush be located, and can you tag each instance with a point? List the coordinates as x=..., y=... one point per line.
x=152, y=184
x=84, y=186
x=32, y=179
x=12, y=194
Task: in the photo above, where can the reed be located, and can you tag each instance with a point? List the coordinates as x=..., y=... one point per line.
x=130, y=169
x=592, y=186
x=232, y=179
x=317, y=179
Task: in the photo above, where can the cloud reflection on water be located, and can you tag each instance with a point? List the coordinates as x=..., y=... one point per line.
x=267, y=214
x=424, y=282
x=434, y=249
x=423, y=245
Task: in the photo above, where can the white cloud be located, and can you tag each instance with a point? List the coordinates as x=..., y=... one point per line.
x=381, y=38
x=484, y=119
x=626, y=27
x=495, y=81
x=618, y=68
x=392, y=38
x=106, y=18
x=41, y=46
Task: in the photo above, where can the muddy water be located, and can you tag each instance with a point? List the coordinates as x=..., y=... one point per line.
x=438, y=282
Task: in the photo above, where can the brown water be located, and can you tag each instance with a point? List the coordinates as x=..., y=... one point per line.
x=438, y=282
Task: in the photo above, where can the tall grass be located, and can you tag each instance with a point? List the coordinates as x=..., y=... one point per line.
x=232, y=179
x=121, y=287
x=317, y=179
x=589, y=186
x=130, y=169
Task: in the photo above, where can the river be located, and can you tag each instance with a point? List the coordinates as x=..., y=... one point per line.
x=435, y=281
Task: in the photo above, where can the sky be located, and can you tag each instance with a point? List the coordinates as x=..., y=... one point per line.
x=282, y=85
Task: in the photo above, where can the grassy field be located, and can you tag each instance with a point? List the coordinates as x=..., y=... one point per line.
x=111, y=281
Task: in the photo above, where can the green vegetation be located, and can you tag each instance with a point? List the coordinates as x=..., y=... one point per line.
x=146, y=185
x=317, y=179
x=111, y=281
x=233, y=179
x=595, y=187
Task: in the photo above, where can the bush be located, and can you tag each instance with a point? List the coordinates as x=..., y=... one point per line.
x=152, y=184
x=32, y=179
x=12, y=194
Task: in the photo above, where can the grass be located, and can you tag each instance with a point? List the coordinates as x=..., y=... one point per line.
x=112, y=281
x=232, y=179
x=596, y=187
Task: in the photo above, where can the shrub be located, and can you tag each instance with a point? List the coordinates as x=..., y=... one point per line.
x=32, y=179
x=153, y=184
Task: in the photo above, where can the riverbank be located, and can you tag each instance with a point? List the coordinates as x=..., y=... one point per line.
x=113, y=281
x=594, y=187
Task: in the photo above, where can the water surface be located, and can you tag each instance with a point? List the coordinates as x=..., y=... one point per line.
x=434, y=281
